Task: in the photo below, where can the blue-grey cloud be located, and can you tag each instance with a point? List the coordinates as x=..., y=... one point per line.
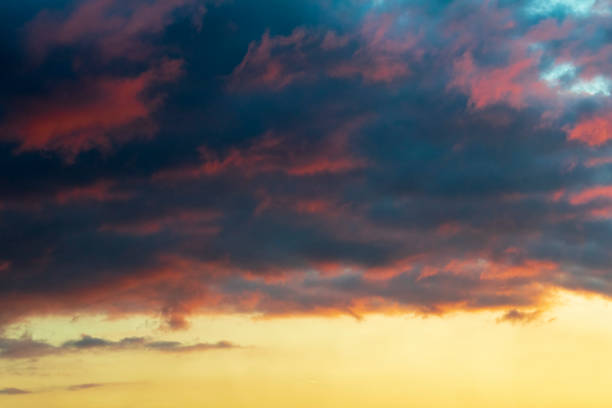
x=13, y=391
x=324, y=157
x=25, y=347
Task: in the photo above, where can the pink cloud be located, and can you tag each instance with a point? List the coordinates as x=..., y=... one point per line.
x=99, y=191
x=274, y=153
x=333, y=40
x=594, y=131
x=549, y=30
x=274, y=62
x=84, y=116
x=385, y=55
x=97, y=111
x=591, y=194
x=598, y=161
x=116, y=28
x=487, y=86
x=193, y=222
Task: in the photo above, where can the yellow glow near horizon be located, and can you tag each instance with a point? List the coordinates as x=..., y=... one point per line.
x=460, y=360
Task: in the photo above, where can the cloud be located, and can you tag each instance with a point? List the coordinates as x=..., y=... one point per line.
x=93, y=113
x=516, y=316
x=271, y=153
x=487, y=87
x=79, y=387
x=177, y=347
x=25, y=347
x=413, y=157
x=591, y=194
x=116, y=29
x=385, y=53
x=75, y=387
x=99, y=191
x=107, y=94
x=260, y=68
x=576, y=7
x=594, y=131
x=376, y=52
x=13, y=391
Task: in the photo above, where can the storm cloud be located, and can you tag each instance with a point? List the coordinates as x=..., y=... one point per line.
x=175, y=157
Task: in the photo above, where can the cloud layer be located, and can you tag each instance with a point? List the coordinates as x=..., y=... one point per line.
x=172, y=157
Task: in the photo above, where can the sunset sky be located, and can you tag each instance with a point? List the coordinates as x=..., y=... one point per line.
x=305, y=203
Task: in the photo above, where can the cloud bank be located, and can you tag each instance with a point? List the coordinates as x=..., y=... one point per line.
x=322, y=158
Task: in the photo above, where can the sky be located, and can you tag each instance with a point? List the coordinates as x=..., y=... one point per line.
x=364, y=203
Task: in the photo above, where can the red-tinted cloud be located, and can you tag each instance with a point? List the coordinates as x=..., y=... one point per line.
x=593, y=131
x=380, y=53
x=99, y=191
x=117, y=29
x=488, y=86
x=383, y=56
x=197, y=222
x=272, y=63
x=273, y=153
x=598, y=161
x=335, y=172
x=591, y=194
x=93, y=113
x=111, y=102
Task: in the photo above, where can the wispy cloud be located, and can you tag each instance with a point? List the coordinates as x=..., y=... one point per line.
x=13, y=391
x=79, y=387
x=25, y=347
x=518, y=316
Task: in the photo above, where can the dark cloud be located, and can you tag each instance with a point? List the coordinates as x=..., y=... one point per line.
x=13, y=391
x=25, y=347
x=177, y=347
x=79, y=387
x=75, y=387
x=325, y=157
x=87, y=342
x=517, y=316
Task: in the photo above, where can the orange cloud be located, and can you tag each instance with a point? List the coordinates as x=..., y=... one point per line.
x=489, y=269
